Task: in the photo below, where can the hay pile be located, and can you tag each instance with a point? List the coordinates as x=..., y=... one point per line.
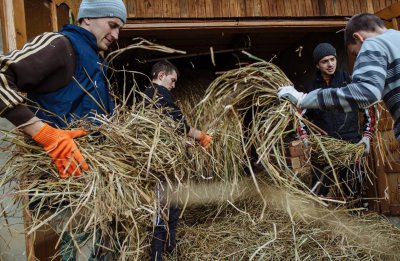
x=130, y=151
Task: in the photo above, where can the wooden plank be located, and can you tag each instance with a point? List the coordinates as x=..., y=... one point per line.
x=148, y=8
x=394, y=188
x=370, y=6
x=389, y=3
x=309, y=8
x=233, y=8
x=201, y=8
x=225, y=9
x=320, y=7
x=140, y=9
x=192, y=9
x=257, y=8
x=280, y=8
x=20, y=24
x=296, y=7
x=277, y=24
x=242, y=8
x=350, y=8
x=167, y=8
x=249, y=7
x=382, y=4
x=329, y=7
x=337, y=7
x=4, y=26
x=357, y=6
x=53, y=14
x=265, y=8
x=176, y=8
x=208, y=9
x=287, y=9
x=376, y=4
x=216, y=6
x=158, y=8
x=273, y=8
x=184, y=8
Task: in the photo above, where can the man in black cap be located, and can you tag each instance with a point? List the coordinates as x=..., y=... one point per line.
x=339, y=125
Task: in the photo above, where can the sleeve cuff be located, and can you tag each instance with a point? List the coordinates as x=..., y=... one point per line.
x=18, y=115
x=310, y=100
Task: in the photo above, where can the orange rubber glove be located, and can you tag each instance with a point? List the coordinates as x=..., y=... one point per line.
x=60, y=145
x=205, y=140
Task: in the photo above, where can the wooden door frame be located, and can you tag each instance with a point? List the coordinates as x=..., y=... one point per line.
x=13, y=30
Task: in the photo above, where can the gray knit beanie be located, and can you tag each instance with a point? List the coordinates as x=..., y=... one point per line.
x=322, y=50
x=102, y=8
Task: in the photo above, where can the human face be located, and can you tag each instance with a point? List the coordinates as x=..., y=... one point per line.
x=327, y=65
x=105, y=30
x=168, y=81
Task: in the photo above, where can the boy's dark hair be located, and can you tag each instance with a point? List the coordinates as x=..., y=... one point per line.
x=361, y=22
x=163, y=66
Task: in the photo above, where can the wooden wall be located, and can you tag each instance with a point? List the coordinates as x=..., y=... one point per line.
x=251, y=8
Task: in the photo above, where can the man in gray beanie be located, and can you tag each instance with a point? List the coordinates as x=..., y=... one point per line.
x=63, y=75
x=339, y=125
x=102, y=8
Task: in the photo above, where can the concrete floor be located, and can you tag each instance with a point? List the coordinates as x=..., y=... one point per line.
x=12, y=239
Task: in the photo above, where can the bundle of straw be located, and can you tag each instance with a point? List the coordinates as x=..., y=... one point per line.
x=127, y=153
x=252, y=90
x=136, y=147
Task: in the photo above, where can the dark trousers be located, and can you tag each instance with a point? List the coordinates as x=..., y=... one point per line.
x=164, y=233
x=351, y=179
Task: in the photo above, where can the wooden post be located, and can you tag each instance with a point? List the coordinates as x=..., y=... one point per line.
x=13, y=26
x=19, y=22
x=53, y=13
x=7, y=25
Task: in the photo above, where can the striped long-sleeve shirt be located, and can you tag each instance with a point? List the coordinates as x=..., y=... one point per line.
x=376, y=76
x=45, y=64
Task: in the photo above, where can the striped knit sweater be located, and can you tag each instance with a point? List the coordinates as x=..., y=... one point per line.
x=376, y=76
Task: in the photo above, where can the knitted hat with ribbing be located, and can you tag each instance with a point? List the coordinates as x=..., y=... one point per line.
x=102, y=8
x=322, y=50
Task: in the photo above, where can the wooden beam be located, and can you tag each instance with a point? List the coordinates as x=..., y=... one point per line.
x=3, y=25
x=20, y=23
x=13, y=26
x=8, y=26
x=156, y=25
x=53, y=13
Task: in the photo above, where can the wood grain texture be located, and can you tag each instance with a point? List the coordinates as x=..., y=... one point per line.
x=251, y=8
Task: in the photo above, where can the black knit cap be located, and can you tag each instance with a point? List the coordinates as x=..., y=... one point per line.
x=322, y=50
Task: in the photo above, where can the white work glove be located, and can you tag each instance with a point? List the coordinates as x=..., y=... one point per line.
x=367, y=145
x=291, y=94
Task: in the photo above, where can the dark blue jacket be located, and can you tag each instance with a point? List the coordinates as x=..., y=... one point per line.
x=165, y=101
x=340, y=125
x=88, y=93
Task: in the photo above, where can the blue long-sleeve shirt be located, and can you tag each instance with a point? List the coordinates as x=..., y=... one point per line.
x=376, y=76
